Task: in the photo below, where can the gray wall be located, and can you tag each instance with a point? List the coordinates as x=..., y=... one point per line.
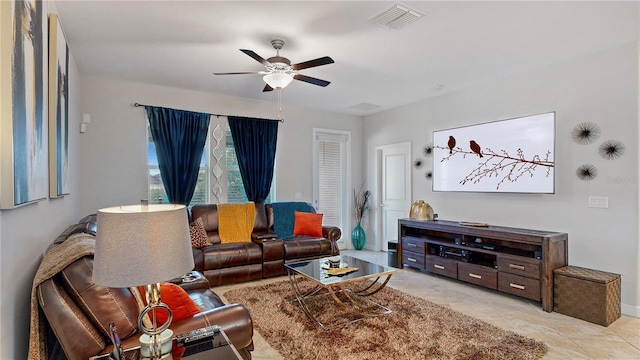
x=603, y=89
x=26, y=232
x=114, y=153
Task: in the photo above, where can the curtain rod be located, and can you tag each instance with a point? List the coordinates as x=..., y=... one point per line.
x=217, y=115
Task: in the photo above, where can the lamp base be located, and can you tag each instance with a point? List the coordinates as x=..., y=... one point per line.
x=152, y=292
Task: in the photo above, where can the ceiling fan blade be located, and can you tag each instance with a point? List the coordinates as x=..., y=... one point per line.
x=267, y=88
x=238, y=73
x=311, y=80
x=257, y=57
x=313, y=63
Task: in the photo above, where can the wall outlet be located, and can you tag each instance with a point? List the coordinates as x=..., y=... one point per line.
x=598, y=202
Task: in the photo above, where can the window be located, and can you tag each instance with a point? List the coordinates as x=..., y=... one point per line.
x=157, y=193
x=234, y=189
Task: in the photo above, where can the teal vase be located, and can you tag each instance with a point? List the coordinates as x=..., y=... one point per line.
x=358, y=237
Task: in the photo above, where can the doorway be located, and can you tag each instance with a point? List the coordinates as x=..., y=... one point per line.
x=393, y=175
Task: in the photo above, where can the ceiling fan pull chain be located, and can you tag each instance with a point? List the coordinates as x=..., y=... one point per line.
x=279, y=102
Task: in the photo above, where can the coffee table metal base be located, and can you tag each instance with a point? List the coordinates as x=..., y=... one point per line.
x=357, y=301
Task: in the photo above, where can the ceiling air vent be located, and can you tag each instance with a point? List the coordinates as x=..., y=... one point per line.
x=396, y=17
x=364, y=106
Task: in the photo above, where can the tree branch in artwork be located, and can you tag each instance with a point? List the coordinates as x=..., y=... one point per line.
x=499, y=165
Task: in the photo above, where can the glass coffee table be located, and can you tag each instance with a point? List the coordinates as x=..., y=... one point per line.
x=350, y=291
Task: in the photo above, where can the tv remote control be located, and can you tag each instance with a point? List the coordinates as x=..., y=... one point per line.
x=198, y=334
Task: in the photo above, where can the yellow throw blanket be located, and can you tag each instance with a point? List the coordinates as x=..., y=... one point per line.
x=235, y=222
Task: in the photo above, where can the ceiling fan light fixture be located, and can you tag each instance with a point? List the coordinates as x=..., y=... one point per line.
x=278, y=80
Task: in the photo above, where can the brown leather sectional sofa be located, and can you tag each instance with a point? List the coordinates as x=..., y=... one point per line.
x=78, y=311
x=264, y=256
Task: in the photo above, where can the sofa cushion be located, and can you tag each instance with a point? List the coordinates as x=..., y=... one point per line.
x=176, y=298
x=231, y=255
x=307, y=224
x=284, y=218
x=307, y=247
x=209, y=215
x=102, y=305
x=198, y=234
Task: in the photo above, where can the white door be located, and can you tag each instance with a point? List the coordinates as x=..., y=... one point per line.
x=394, y=187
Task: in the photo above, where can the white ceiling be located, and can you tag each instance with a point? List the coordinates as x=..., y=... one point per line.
x=454, y=45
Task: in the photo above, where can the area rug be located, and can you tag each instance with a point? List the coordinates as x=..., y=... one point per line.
x=416, y=329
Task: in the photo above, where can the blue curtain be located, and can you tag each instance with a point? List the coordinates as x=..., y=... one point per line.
x=255, y=143
x=179, y=137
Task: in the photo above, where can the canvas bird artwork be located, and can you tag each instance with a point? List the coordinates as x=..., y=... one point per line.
x=513, y=154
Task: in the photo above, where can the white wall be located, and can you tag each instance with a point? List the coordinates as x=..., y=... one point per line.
x=114, y=153
x=26, y=232
x=602, y=88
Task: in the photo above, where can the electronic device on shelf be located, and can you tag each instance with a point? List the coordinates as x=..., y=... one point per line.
x=206, y=343
x=454, y=253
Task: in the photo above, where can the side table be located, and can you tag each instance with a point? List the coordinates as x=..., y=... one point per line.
x=220, y=348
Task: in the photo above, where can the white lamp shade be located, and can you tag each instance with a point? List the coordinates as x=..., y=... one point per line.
x=140, y=245
x=278, y=80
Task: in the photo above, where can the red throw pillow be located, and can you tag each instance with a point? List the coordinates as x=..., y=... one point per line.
x=307, y=224
x=177, y=299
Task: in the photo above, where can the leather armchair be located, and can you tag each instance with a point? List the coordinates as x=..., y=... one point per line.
x=78, y=311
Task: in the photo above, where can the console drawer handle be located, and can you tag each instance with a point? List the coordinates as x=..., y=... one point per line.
x=412, y=245
x=475, y=276
x=517, y=267
x=412, y=260
x=520, y=287
x=438, y=266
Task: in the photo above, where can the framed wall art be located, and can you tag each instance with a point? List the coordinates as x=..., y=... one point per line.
x=58, y=110
x=23, y=103
x=514, y=156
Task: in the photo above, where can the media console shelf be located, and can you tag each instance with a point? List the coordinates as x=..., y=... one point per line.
x=511, y=260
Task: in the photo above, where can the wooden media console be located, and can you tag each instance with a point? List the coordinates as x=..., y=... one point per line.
x=511, y=260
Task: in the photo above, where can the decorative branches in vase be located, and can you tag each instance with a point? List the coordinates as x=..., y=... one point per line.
x=360, y=199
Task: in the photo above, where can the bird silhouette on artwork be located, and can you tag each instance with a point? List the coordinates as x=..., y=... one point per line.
x=451, y=143
x=475, y=147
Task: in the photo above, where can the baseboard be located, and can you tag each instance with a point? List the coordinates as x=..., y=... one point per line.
x=630, y=310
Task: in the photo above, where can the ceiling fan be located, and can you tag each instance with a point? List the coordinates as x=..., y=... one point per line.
x=279, y=71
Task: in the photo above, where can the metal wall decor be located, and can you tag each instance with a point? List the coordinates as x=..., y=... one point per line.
x=611, y=149
x=587, y=172
x=586, y=133
x=419, y=162
x=217, y=155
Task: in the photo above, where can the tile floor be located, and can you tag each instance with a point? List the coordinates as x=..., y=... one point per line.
x=567, y=338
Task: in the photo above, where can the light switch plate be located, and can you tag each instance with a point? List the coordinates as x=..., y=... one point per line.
x=598, y=202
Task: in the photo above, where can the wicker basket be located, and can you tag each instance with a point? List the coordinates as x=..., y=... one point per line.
x=587, y=294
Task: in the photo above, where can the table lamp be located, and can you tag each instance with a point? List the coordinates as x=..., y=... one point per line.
x=143, y=245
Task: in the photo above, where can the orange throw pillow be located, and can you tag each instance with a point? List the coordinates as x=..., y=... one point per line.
x=307, y=224
x=176, y=298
